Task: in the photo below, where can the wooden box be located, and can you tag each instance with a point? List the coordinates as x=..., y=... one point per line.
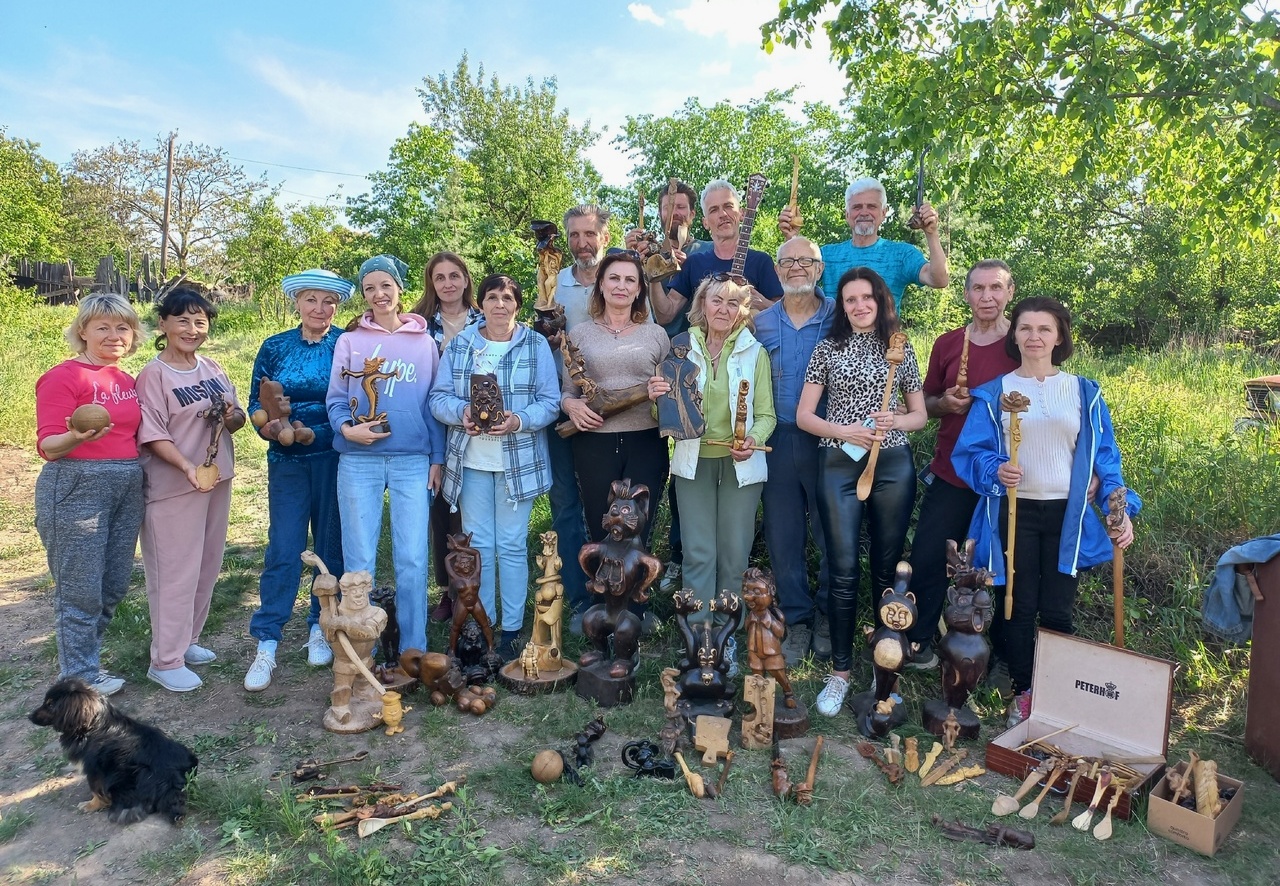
x=1193, y=830
x=1118, y=701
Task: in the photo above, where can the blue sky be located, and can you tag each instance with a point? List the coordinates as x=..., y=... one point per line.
x=323, y=86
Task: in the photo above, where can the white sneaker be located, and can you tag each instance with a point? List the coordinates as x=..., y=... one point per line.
x=176, y=679
x=259, y=676
x=319, y=654
x=198, y=655
x=731, y=657
x=831, y=698
x=107, y=684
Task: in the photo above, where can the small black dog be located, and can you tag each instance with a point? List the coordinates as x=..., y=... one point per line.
x=133, y=769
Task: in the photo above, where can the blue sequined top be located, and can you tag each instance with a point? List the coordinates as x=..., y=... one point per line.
x=303, y=368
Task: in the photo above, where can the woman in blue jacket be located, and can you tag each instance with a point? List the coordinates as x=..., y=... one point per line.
x=1066, y=440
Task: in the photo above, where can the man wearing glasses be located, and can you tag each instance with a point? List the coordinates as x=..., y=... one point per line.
x=789, y=330
x=722, y=214
x=896, y=262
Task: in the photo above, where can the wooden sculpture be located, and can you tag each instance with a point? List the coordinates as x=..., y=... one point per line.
x=1013, y=403
x=680, y=409
x=895, y=355
x=962, y=371
x=993, y=835
x=352, y=628
x=487, y=407
x=393, y=712
x=272, y=418
x=892, y=771
x=541, y=667
x=462, y=564
x=794, y=203
x=1117, y=504
x=912, y=761
x=739, y=441
x=963, y=651
x=620, y=570
x=660, y=263
x=369, y=378
x=766, y=626
x=890, y=652
x=549, y=320
x=443, y=680
x=703, y=682
x=757, y=724
x=214, y=415
x=602, y=401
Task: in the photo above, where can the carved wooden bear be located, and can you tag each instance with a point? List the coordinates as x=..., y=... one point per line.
x=272, y=419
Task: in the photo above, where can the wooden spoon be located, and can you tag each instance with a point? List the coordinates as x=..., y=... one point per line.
x=1081, y=822
x=1103, y=829
x=1031, y=809
x=1061, y=817
x=373, y=825
x=697, y=786
x=1004, y=805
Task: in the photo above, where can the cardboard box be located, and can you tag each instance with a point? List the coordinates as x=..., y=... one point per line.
x=1118, y=703
x=1191, y=829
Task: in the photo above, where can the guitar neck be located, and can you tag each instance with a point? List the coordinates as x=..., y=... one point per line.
x=744, y=238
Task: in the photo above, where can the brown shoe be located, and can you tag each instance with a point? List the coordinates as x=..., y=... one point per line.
x=444, y=609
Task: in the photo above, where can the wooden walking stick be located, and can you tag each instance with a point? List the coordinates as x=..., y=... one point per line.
x=962, y=371
x=1012, y=403
x=794, y=205
x=894, y=355
x=1117, y=502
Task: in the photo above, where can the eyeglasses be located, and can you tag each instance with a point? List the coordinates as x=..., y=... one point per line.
x=804, y=262
x=726, y=277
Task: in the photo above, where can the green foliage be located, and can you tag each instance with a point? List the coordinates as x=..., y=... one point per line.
x=276, y=241
x=30, y=201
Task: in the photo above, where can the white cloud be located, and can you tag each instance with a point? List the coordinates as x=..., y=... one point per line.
x=643, y=12
x=737, y=21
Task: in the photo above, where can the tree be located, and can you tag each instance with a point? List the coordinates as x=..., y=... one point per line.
x=699, y=143
x=209, y=194
x=30, y=202
x=273, y=242
x=1202, y=73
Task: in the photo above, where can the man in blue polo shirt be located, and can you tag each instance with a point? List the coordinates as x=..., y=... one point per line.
x=789, y=331
x=722, y=214
x=897, y=262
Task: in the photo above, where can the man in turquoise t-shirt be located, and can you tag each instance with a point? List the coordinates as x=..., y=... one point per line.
x=897, y=262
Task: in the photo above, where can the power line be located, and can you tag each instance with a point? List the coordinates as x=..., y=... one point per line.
x=299, y=168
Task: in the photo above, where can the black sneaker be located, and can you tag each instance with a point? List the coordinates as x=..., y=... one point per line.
x=509, y=647
x=925, y=659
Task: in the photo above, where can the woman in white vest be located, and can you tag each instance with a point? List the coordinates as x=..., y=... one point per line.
x=718, y=487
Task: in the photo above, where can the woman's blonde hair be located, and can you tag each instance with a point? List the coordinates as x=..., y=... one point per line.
x=111, y=305
x=711, y=286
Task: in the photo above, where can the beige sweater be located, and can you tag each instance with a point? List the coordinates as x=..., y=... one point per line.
x=619, y=363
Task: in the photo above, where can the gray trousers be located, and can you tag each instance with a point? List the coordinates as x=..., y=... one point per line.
x=718, y=525
x=88, y=513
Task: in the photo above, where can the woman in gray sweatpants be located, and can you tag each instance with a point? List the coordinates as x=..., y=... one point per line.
x=89, y=494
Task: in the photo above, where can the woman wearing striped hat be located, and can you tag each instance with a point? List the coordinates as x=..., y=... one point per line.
x=301, y=478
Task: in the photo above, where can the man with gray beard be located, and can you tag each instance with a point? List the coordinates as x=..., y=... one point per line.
x=789, y=330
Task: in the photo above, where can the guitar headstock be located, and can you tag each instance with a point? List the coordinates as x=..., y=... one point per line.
x=756, y=184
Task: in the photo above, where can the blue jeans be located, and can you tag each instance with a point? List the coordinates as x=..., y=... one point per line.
x=302, y=493
x=500, y=532
x=888, y=512
x=362, y=479
x=567, y=519
x=790, y=512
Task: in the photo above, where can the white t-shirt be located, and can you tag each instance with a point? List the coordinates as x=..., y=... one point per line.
x=1050, y=427
x=484, y=453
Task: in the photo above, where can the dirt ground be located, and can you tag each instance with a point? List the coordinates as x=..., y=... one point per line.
x=250, y=736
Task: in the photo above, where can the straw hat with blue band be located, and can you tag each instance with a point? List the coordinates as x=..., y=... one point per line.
x=315, y=278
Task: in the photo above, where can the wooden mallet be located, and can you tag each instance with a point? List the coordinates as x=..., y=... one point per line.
x=1013, y=403
x=895, y=355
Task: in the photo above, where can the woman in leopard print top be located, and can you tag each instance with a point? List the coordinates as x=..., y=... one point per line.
x=849, y=366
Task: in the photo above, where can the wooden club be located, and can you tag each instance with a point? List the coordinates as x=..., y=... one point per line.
x=1013, y=403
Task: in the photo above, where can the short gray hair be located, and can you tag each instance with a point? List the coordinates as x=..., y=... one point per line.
x=582, y=210
x=866, y=184
x=717, y=184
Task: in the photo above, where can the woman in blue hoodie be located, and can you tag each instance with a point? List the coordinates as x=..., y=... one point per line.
x=494, y=477
x=1066, y=440
x=396, y=446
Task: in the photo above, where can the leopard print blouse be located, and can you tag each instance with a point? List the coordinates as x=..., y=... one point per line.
x=854, y=374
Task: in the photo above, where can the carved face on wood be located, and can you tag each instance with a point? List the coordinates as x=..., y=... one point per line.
x=757, y=589
x=628, y=510
x=898, y=610
x=462, y=557
x=968, y=609
x=486, y=401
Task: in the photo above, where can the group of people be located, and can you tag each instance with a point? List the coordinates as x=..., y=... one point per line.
x=799, y=346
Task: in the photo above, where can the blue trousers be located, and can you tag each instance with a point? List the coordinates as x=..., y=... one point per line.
x=362, y=480
x=500, y=532
x=302, y=494
x=888, y=512
x=567, y=519
x=790, y=513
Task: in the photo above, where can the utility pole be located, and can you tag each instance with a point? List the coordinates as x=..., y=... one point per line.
x=164, y=224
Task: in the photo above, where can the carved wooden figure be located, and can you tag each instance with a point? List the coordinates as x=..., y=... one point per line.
x=739, y=440
x=352, y=627
x=462, y=564
x=1013, y=403
x=369, y=378
x=486, y=401
x=444, y=682
x=541, y=667
x=272, y=419
x=890, y=652
x=766, y=626
x=680, y=409
x=550, y=313
x=757, y=724
x=604, y=402
x=620, y=570
x=207, y=475
x=1117, y=506
x=704, y=684
x=963, y=651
